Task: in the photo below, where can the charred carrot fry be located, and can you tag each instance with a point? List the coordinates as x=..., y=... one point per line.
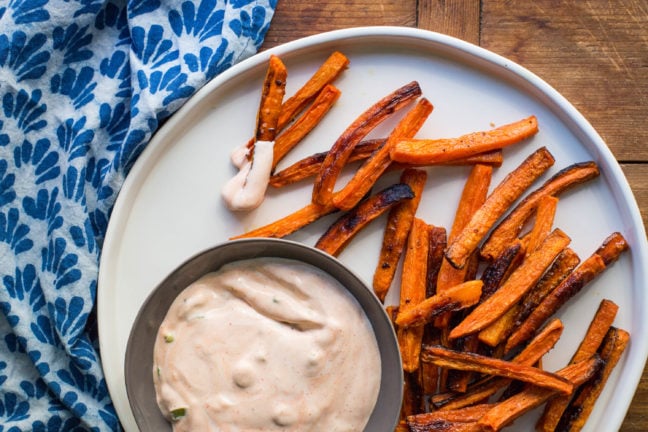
x=497, y=271
x=311, y=165
x=340, y=151
x=529, y=356
x=413, y=288
x=438, y=243
x=296, y=132
x=335, y=239
x=334, y=65
x=583, y=403
x=596, y=333
x=451, y=359
x=520, y=281
x=411, y=396
x=506, y=412
x=459, y=420
x=611, y=249
x=291, y=223
x=512, y=224
x=564, y=264
x=458, y=297
x=274, y=88
x=496, y=205
x=426, y=151
x=364, y=179
x=397, y=228
x=472, y=197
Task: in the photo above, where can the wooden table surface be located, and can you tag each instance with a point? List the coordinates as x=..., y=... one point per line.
x=594, y=52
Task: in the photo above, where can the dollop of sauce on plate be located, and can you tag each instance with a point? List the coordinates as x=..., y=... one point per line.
x=266, y=344
x=246, y=190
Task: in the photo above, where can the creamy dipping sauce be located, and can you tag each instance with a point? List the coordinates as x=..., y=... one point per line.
x=246, y=190
x=266, y=344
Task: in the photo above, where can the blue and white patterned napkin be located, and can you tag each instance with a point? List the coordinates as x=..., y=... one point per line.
x=83, y=85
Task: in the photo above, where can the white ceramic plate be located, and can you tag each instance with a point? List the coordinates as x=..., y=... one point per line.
x=170, y=207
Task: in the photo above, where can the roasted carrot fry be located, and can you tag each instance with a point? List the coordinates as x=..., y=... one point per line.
x=413, y=287
x=564, y=264
x=497, y=271
x=340, y=151
x=543, y=223
x=426, y=151
x=512, y=224
x=450, y=420
x=583, y=403
x=506, y=412
x=411, y=396
x=274, y=88
x=397, y=228
x=290, y=137
x=596, y=333
x=611, y=248
x=438, y=243
x=458, y=297
x=532, y=353
x=472, y=197
x=311, y=165
x=364, y=179
x=451, y=359
x=496, y=205
x=327, y=73
x=520, y=281
x=499, y=330
x=291, y=223
x=335, y=239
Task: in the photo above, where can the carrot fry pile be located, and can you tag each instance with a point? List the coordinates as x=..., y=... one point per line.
x=476, y=306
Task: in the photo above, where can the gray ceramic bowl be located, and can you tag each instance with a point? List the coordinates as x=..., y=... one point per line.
x=139, y=351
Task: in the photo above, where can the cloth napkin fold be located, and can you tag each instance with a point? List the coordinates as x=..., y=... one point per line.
x=83, y=86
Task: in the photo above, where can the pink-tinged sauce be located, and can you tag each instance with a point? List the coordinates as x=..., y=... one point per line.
x=266, y=344
x=246, y=190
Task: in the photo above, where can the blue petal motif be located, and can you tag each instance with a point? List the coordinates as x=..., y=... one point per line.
x=25, y=109
x=204, y=22
x=29, y=11
x=26, y=57
x=38, y=155
x=79, y=86
x=56, y=260
x=25, y=284
x=45, y=207
x=151, y=47
x=13, y=232
x=73, y=138
x=12, y=409
x=7, y=181
x=73, y=41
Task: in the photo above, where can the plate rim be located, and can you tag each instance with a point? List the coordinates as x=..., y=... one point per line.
x=555, y=101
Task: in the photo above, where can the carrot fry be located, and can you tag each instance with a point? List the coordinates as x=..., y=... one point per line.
x=461, y=296
x=335, y=239
x=543, y=223
x=364, y=179
x=596, y=333
x=311, y=165
x=497, y=271
x=340, y=151
x=451, y=359
x=520, y=281
x=413, y=288
x=507, y=411
x=583, y=403
x=397, y=228
x=290, y=137
x=291, y=223
x=426, y=151
x=274, y=88
x=411, y=396
x=327, y=73
x=512, y=224
x=532, y=353
x=453, y=421
x=472, y=197
x=611, y=248
x=438, y=243
x=500, y=329
x=496, y=205
x=564, y=264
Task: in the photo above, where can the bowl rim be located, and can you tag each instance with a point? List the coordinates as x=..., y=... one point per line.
x=386, y=411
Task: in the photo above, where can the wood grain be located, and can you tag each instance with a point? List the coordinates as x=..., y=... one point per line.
x=458, y=18
x=594, y=52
